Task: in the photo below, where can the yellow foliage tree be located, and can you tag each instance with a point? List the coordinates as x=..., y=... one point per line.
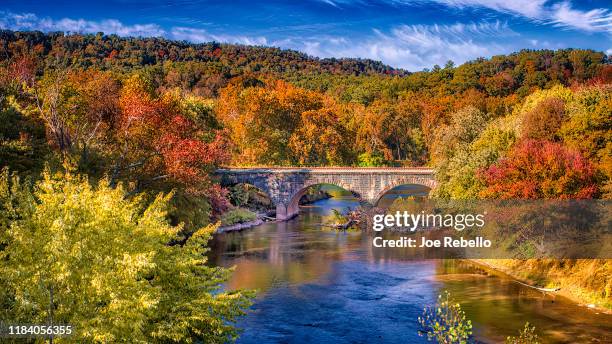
x=76, y=254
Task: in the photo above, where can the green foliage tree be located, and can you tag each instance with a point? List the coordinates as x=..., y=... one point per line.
x=459, y=155
x=110, y=265
x=371, y=160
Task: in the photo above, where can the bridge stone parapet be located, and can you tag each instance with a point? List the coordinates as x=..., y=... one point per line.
x=286, y=185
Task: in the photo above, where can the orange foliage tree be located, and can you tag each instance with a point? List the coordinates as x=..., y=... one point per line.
x=321, y=139
x=261, y=119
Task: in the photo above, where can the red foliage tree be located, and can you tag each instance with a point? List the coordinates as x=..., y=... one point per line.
x=540, y=169
x=160, y=143
x=23, y=69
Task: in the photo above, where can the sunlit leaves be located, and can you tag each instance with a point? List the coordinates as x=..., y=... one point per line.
x=110, y=265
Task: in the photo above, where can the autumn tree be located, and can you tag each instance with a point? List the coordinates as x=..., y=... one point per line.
x=60, y=106
x=464, y=127
x=261, y=120
x=321, y=139
x=88, y=256
x=544, y=120
x=160, y=139
x=589, y=129
x=374, y=130
x=99, y=93
x=458, y=175
x=540, y=169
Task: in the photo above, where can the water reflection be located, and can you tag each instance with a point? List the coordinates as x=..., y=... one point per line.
x=326, y=287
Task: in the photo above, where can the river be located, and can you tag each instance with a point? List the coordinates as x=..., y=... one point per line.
x=320, y=286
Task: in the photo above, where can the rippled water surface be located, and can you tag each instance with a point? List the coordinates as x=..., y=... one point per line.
x=318, y=286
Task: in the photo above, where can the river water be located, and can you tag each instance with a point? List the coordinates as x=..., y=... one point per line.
x=320, y=286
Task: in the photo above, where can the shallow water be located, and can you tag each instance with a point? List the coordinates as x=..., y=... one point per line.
x=318, y=286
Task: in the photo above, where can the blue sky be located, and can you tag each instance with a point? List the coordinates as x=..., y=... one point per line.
x=411, y=34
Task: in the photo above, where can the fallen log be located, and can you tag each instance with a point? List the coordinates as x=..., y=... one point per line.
x=546, y=290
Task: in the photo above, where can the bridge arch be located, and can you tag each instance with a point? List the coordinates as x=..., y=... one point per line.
x=245, y=193
x=404, y=180
x=294, y=203
x=385, y=197
x=284, y=185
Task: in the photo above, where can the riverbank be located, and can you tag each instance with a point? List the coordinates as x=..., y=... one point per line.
x=239, y=226
x=585, y=282
x=261, y=218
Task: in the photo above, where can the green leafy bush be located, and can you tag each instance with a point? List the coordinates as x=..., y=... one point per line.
x=238, y=215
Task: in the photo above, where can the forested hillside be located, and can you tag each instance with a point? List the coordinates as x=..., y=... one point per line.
x=159, y=115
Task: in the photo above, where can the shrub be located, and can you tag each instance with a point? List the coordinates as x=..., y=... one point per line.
x=237, y=215
x=526, y=336
x=371, y=160
x=445, y=322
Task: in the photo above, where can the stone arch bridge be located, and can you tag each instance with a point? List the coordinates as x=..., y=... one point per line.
x=287, y=185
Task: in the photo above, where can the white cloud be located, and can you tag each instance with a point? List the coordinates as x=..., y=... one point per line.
x=528, y=8
x=191, y=35
x=560, y=14
x=30, y=21
x=594, y=20
x=413, y=47
x=201, y=36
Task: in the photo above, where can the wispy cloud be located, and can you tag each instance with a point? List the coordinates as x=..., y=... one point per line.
x=199, y=36
x=29, y=21
x=594, y=20
x=528, y=8
x=560, y=14
x=413, y=47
